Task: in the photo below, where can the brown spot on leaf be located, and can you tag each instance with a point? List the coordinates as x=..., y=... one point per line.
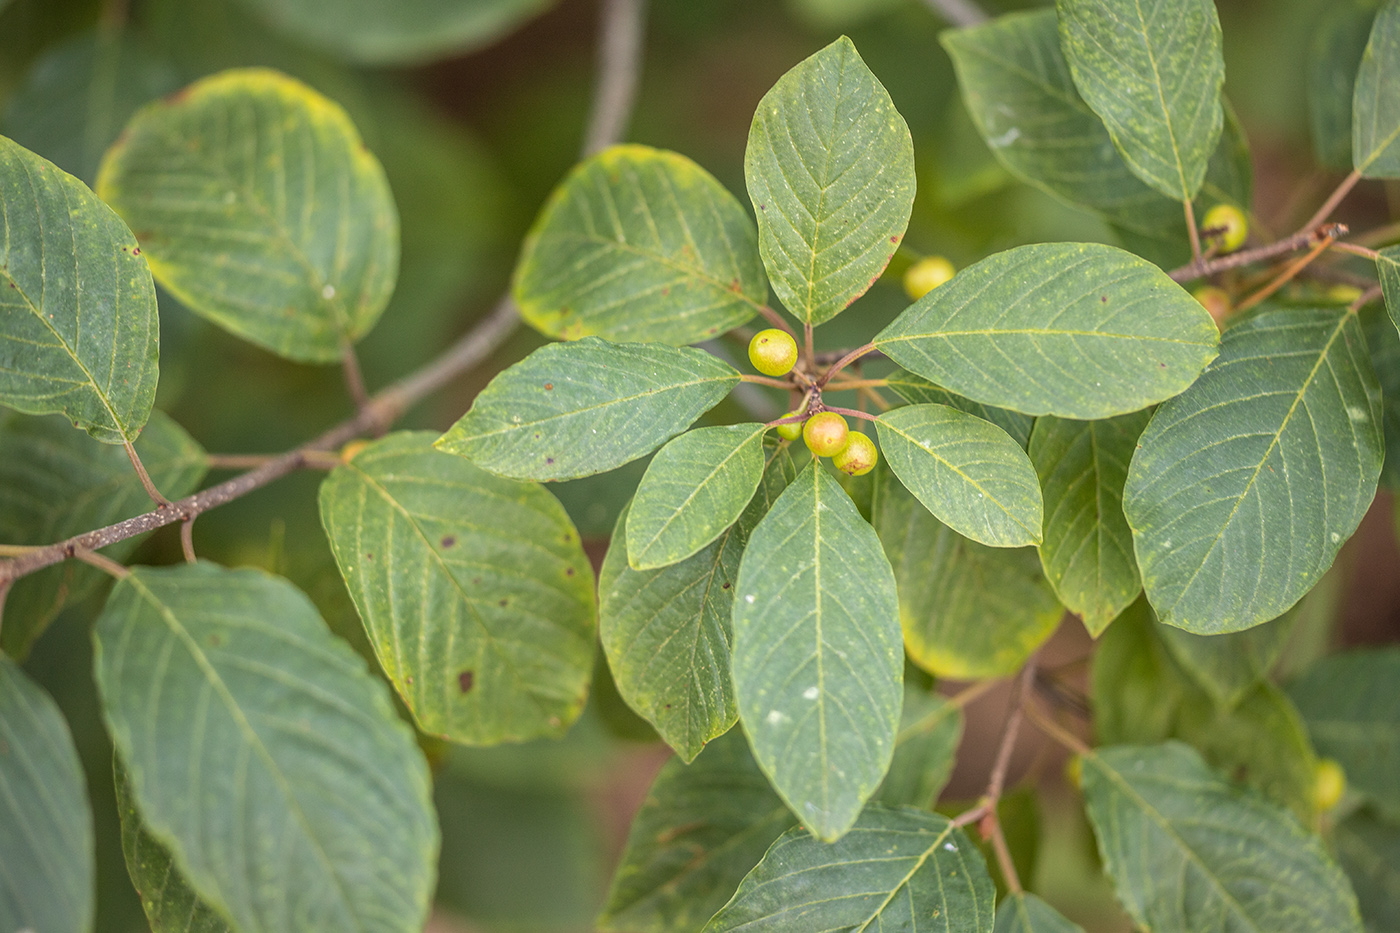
x=725, y=586
x=448, y=541
x=568, y=571
x=549, y=461
x=894, y=239
x=465, y=680
x=1103, y=298
x=503, y=603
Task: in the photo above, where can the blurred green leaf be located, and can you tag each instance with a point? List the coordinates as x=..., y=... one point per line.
x=968, y=472
x=242, y=720
x=816, y=655
x=1087, y=553
x=1056, y=328
x=1339, y=39
x=45, y=820
x=917, y=390
x=1153, y=71
x=56, y=483
x=1388, y=269
x=475, y=590
x=260, y=209
x=1227, y=666
x=1223, y=537
x=574, y=409
x=78, y=327
x=1383, y=342
x=640, y=244
x=1375, y=128
x=1026, y=913
x=1368, y=848
x=930, y=729
x=830, y=169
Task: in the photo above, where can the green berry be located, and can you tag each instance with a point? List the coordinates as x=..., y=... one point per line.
x=1230, y=224
x=1329, y=784
x=792, y=430
x=858, y=457
x=926, y=275
x=772, y=352
x=825, y=433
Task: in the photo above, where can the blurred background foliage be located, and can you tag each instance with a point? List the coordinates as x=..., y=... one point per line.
x=476, y=109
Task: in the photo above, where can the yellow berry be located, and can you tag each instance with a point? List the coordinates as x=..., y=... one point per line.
x=1329, y=784
x=772, y=352
x=926, y=275
x=1230, y=226
x=792, y=430
x=858, y=457
x=825, y=433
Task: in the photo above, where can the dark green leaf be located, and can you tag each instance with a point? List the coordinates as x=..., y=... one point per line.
x=930, y=728
x=474, y=589
x=1352, y=709
x=1189, y=853
x=830, y=169
x=575, y=409
x=1383, y=342
x=260, y=209
x=1339, y=39
x=700, y=830
x=1375, y=130
x=1026, y=913
x=695, y=487
x=667, y=631
x=1057, y=328
x=640, y=244
x=46, y=842
x=816, y=657
x=1368, y=849
x=1153, y=71
x=1227, y=666
x=56, y=483
x=968, y=611
x=78, y=328
x=1243, y=489
x=917, y=390
x=1087, y=553
x=894, y=869
x=263, y=754
x=966, y=471
x=1388, y=269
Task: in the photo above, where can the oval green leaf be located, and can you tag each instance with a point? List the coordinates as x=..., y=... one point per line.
x=894, y=870
x=1026, y=913
x=241, y=720
x=49, y=875
x=575, y=409
x=1243, y=489
x=830, y=170
x=930, y=728
x=1153, y=71
x=1368, y=849
x=1087, y=553
x=1078, y=330
x=1375, y=124
x=1190, y=853
x=817, y=660
x=1334, y=56
x=640, y=244
x=78, y=329
x=1388, y=270
x=474, y=590
x=56, y=483
x=1228, y=666
x=261, y=210
x=916, y=390
x=967, y=471
x=693, y=489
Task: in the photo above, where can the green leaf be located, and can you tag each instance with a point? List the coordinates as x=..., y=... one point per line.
x=694, y=488
x=45, y=820
x=1243, y=489
x=1087, y=553
x=402, y=33
x=1057, y=329
x=242, y=722
x=967, y=471
x=930, y=729
x=1383, y=342
x=474, y=590
x=830, y=170
x=260, y=209
x=894, y=869
x=1227, y=666
x=77, y=97
x=1338, y=42
x=1388, y=269
x=916, y=390
x=816, y=656
x=1375, y=128
x=1026, y=913
x=1368, y=849
x=700, y=830
x=575, y=409
x=667, y=631
x=1189, y=853
x=968, y=611
x=1352, y=709
x=1152, y=70
x=78, y=328
x=640, y=244
x=56, y=483
x=171, y=905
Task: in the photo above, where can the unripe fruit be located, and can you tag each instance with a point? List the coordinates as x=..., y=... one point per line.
x=1231, y=221
x=792, y=430
x=1329, y=784
x=1215, y=300
x=926, y=275
x=1343, y=294
x=347, y=453
x=772, y=352
x=825, y=433
x=858, y=457
x=1074, y=771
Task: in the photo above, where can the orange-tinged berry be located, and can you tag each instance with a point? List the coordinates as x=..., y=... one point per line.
x=772, y=352
x=858, y=457
x=825, y=433
x=926, y=275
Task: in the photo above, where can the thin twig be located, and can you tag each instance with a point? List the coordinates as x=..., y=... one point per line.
x=1284, y=277
x=187, y=539
x=809, y=354
x=354, y=376
x=1056, y=731
x=827, y=357
x=843, y=362
x=957, y=12
x=1380, y=236
x=852, y=384
x=1356, y=250
x=765, y=381
x=620, y=64
x=105, y=564
x=1193, y=271
x=774, y=318
x=1330, y=205
x=1192, y=232
x=14, y=550
x=851, y=413
x=145, y=477
x=237, y=461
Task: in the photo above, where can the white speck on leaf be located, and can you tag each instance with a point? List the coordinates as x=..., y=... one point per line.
x=1336, y=537
x=1357, y=413
x=328, y=292
x=810, y=693
x=950, y=847
x=1005, y=139
x=774, y=717
x=749, y=599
